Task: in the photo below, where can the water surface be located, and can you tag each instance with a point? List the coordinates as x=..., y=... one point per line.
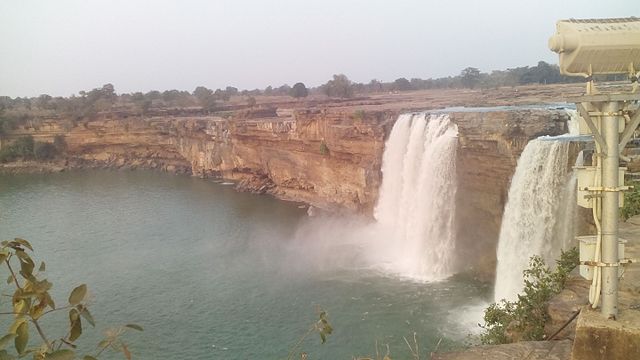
x=215, y=274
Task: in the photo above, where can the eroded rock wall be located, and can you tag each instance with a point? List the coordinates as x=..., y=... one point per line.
x=489, y=146
x=330, y=159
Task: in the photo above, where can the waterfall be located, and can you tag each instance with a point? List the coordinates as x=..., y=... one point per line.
x=539, y=217
x=416, y=202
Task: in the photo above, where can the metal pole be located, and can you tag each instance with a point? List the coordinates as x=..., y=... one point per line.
x=609, y=127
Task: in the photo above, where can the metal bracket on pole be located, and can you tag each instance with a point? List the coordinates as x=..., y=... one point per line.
x=634, y=121
x=596, y=134
x=599, y=263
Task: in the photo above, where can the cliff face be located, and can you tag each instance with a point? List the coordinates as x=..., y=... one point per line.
x=324, y=159
x=330, y=159
x=489, y=146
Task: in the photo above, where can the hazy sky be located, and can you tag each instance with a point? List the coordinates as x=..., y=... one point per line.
x=59, y=47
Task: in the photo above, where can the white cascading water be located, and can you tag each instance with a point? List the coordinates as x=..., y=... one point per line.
x=539, y=216
x=417, y=197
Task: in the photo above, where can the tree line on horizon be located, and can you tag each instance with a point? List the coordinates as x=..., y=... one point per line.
x=88, y=103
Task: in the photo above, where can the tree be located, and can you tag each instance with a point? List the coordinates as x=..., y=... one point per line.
x=284, y=89
x=299, y=90
x=340, y=86
x=231, y=90
x=251, y=101
x=202, y=92
x=221, y=94
x=60, y=143
x=153, y=95
x=43, y=101
x=470, y=77
x=23, y=146
x=374, y=86
x=402, y=84
x=44, y=150
x=205, y=97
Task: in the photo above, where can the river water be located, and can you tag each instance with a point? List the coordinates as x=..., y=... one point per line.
x=215, y=274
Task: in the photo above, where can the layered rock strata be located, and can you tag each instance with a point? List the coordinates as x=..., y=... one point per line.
x=328, y=158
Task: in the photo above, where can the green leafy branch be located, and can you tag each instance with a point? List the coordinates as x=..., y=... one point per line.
x=524, y=319
x=321, y=326
x=31, y=302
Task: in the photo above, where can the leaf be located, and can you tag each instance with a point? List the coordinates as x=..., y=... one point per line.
x=135, y=327
x=22, y=255
x=73, y=316
x=3, y=255
x=323, y=338
x=104, y=343
x=10, y=279
x=42, y=267
x=27, y=265
x=88, y=357
x=5, y=356
x=41, y=287
x=19, y=306
x=328, y=329
x=64, y=354
x=50, y=300
x=28, y=276
x=78, y=294
x=87, y=315
x=13, y=329
x=24, y=243
x=76, y=330
x=37, y=311
x=22, y=337
x=5, y=340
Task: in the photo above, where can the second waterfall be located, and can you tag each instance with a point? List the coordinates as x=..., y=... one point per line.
x=417, y=198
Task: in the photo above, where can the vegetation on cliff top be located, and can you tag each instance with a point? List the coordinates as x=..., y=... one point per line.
x=87, y=104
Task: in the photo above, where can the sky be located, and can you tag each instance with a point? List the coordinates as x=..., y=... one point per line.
x=59, y=47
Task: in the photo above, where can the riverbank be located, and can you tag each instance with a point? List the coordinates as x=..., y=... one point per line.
x=588, y=336
x=32, y=167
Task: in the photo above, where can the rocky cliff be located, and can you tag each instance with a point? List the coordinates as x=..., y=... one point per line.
x=489, y=146
x=328, y=158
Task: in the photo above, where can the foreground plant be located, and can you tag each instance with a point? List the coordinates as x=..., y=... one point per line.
x=321, y=326
x=524, y=319
x=631, y=201
x=31, y=302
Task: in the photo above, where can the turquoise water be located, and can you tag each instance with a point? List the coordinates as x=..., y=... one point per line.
x=215, y=274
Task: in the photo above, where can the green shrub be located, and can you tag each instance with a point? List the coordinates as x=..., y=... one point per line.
x=524, y=319
x=23, y=147
x=44, y=151
x=60, y=143
x=7, y=154
x=631, y=201
x=324, y=149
